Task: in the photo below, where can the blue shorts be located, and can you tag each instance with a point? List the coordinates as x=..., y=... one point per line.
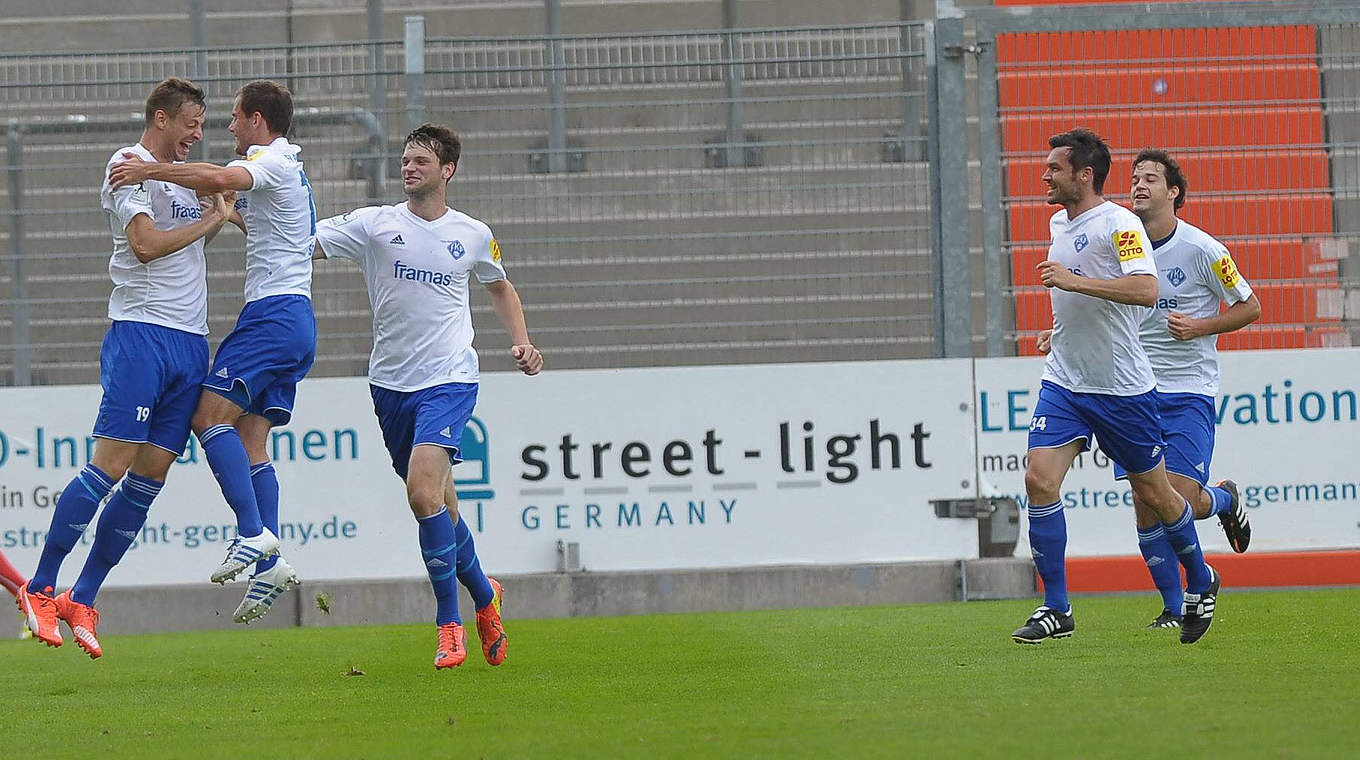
x=1188, y=427
x=434, y=415
x=151, y=377
x=259, y=365
x=1128, y=428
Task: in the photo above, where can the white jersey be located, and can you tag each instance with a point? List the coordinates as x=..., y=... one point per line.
x=171, y=291
x=417, y=274
x=1095, y=346
x=1195, y=274
x=280, y=219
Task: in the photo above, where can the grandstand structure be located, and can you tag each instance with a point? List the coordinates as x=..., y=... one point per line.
x=756, y=192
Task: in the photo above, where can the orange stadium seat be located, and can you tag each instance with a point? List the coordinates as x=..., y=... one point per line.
x=1206, y=172
x=1138, y=83
x=1287, y=303
x=1287, y=44
x=1213, y=126
x=1257, y=259
x=1294, y=214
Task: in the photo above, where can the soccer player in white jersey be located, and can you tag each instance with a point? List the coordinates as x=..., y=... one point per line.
x=151, y=364
x=253, y=381
x=417, y=259
x=1195, y=274
x=1098, y=382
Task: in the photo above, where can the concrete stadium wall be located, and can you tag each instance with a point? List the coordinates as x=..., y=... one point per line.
x=581, y=594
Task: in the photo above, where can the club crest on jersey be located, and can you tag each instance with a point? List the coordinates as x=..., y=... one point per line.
x=1080, y=242
x=1128, y=244
x=1176, y=276
x=456, y=249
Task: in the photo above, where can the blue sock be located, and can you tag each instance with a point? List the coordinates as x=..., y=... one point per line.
x=119, y=526
x=1162, y=565
x=266, y=485
x=1048, y=544
x=1220, y=499
x=75, y=509
x=1185, y=541
x=227, y=457
x=469, y=567
x=437, y=546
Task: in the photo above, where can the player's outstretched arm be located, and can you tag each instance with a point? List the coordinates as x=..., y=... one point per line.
x=1136, y=289
x=505, y=300
x=1233, y=318
x=149, y=243
x=204, y=178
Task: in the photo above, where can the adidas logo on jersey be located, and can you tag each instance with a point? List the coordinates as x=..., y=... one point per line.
x=223, y=372
x=396, y=241
x=1200, y=467
x=446, y=432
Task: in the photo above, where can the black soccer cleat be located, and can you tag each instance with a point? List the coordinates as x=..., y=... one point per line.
x=1167, y=619
x=1198, y=614
x=1045, y=623
x=1234, y=521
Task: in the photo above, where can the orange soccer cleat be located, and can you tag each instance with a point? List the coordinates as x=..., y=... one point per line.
x=82, y=618
x=40, y=611
x=489, y=628
x=452, y=648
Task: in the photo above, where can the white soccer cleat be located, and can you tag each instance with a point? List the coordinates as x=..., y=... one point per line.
x=265, y=588
x=244, y=552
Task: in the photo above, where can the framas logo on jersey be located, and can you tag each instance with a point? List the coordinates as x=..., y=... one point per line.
x=495, y=250
x=1128, y=244
x=1226, y=269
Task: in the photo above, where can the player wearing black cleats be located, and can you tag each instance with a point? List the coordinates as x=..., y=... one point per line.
x=1167, y=619
x=1234, y=521
x=1199, y=611
x=1045, y=623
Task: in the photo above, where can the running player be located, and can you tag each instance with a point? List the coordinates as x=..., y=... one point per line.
x=1195, y=274
x=417, y=259
x=1098, y=382
x=253, y=381
x=151, y=364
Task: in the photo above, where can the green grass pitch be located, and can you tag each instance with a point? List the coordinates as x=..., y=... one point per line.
x=1277, y=676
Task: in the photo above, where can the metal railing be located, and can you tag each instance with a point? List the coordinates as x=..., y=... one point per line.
x=669, y=224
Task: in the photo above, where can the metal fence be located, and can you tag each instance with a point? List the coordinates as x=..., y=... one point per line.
x=728, y=196
x=706, y=197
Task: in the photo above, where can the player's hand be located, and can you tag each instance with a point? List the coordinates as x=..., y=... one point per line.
x=1045, y=341
x=221, y=207
x=131, y=170
x=1055, y=275
x=527, y=358
x=1182, y=327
